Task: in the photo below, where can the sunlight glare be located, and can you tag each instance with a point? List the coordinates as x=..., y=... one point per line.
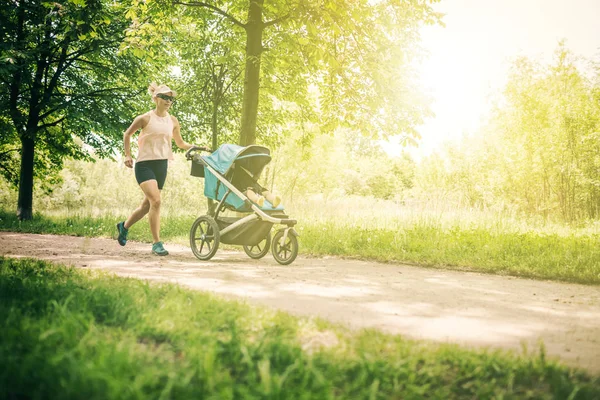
x=468, y=60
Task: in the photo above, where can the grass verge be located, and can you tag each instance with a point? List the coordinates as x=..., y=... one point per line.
x=569, y=258
x=74, y=334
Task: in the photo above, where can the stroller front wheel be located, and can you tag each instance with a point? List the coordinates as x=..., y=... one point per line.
x=284, y=252
x=204, y=238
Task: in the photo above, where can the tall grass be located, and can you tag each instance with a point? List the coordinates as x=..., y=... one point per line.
x=368, y=212
x=492, y=249
x=434, y=235
x=72, y=334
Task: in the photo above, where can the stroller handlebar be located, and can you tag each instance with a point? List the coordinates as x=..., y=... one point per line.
x=189, y=153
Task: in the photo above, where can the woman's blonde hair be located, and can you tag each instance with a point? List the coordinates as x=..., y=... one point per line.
x=155, y=89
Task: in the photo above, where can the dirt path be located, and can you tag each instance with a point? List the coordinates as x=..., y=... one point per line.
x=459, y=307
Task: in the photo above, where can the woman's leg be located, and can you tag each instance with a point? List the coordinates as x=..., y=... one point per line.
x=150, y=189
x=139, y=213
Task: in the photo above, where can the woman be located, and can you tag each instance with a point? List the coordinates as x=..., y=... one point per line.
x=154, y=152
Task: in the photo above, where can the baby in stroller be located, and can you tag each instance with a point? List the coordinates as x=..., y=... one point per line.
x=254, y=191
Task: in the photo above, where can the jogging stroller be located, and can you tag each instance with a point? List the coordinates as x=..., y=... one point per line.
x=227, y=172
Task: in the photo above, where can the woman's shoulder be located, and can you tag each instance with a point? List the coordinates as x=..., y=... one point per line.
x=144, y=118
x=174, y=119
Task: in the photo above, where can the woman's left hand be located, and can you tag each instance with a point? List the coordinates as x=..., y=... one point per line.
x=128, y=162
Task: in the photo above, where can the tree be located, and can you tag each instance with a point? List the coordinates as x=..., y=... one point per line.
x=356, y=57
x=552, y=122
x=210, y=78
x=60, y=79
x=540, y=151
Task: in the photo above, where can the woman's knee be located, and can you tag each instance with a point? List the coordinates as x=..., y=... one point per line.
x=154, y=202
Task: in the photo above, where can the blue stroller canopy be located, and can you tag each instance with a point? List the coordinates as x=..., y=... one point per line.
x=253, y=158
x=247, y=161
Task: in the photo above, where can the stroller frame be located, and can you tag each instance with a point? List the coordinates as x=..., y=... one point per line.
x=249, y=231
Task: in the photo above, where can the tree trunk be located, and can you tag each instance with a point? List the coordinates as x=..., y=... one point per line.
x=25, y=201
x=24, y=204
x=215, y=126
x=254, y=31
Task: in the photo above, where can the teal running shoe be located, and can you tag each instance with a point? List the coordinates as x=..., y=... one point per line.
x=122, y=239
x=158, y=249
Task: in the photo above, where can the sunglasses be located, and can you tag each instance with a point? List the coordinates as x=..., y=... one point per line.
x=166, y=97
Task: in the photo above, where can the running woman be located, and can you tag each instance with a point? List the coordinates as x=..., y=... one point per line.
x=158, y=129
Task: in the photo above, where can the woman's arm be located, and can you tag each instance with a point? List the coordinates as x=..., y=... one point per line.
x=177, y=135
x=137, y=124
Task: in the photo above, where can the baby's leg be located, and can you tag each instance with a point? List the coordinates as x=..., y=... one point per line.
x=274, y=199
x=254, y=197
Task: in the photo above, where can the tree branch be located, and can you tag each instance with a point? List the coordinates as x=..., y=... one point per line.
x=60, y=68
x=12, y=175
x=58, y=121
x=235, y=78
x=2, y=154
x=276, y=20
x=215, y=9
x=15, y=84
x=74, y=98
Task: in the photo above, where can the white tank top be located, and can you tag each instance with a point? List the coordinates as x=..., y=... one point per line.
x=154, y=142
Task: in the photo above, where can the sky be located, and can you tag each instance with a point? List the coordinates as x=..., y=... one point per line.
x=468, y=59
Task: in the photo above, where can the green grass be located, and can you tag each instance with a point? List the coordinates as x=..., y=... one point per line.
x=172, y=229
x=73, y=334
x=569, y=257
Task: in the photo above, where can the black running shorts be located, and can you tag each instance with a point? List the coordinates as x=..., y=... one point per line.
x=152, y=169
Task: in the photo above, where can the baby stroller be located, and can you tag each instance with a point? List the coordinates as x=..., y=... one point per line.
x=227, y=172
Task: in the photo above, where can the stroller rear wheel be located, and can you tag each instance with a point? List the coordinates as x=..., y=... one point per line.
x=259, y=250
x=204, y=237
x=285, y=253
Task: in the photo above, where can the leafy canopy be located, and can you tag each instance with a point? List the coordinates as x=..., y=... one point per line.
x=334, y=62
x=62, y=82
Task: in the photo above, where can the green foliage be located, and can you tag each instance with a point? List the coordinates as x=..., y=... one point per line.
x=210, y=59
x=105, y=187
x=9, y=151
x=361, y=57
x=72, y=46
x=63, y=87
x=539, y=153
x=554, y=121
x=72, y=334
x=337, y=63
x=338, y=165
